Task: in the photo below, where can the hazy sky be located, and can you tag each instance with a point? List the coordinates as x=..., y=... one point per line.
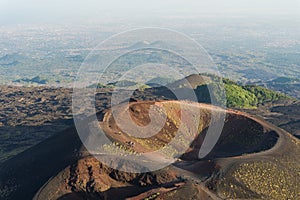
x=57, y=11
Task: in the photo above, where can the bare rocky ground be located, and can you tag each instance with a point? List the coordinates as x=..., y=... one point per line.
x=29, y=115
x=284, y=114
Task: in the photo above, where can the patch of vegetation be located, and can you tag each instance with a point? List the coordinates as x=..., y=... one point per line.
x=153, y=196
x=265, y=95
x=143, y=87
x=117, y=148
x=238, y=96
x=258, y=178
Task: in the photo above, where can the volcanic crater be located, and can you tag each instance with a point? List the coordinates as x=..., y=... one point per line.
x=79, y=175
